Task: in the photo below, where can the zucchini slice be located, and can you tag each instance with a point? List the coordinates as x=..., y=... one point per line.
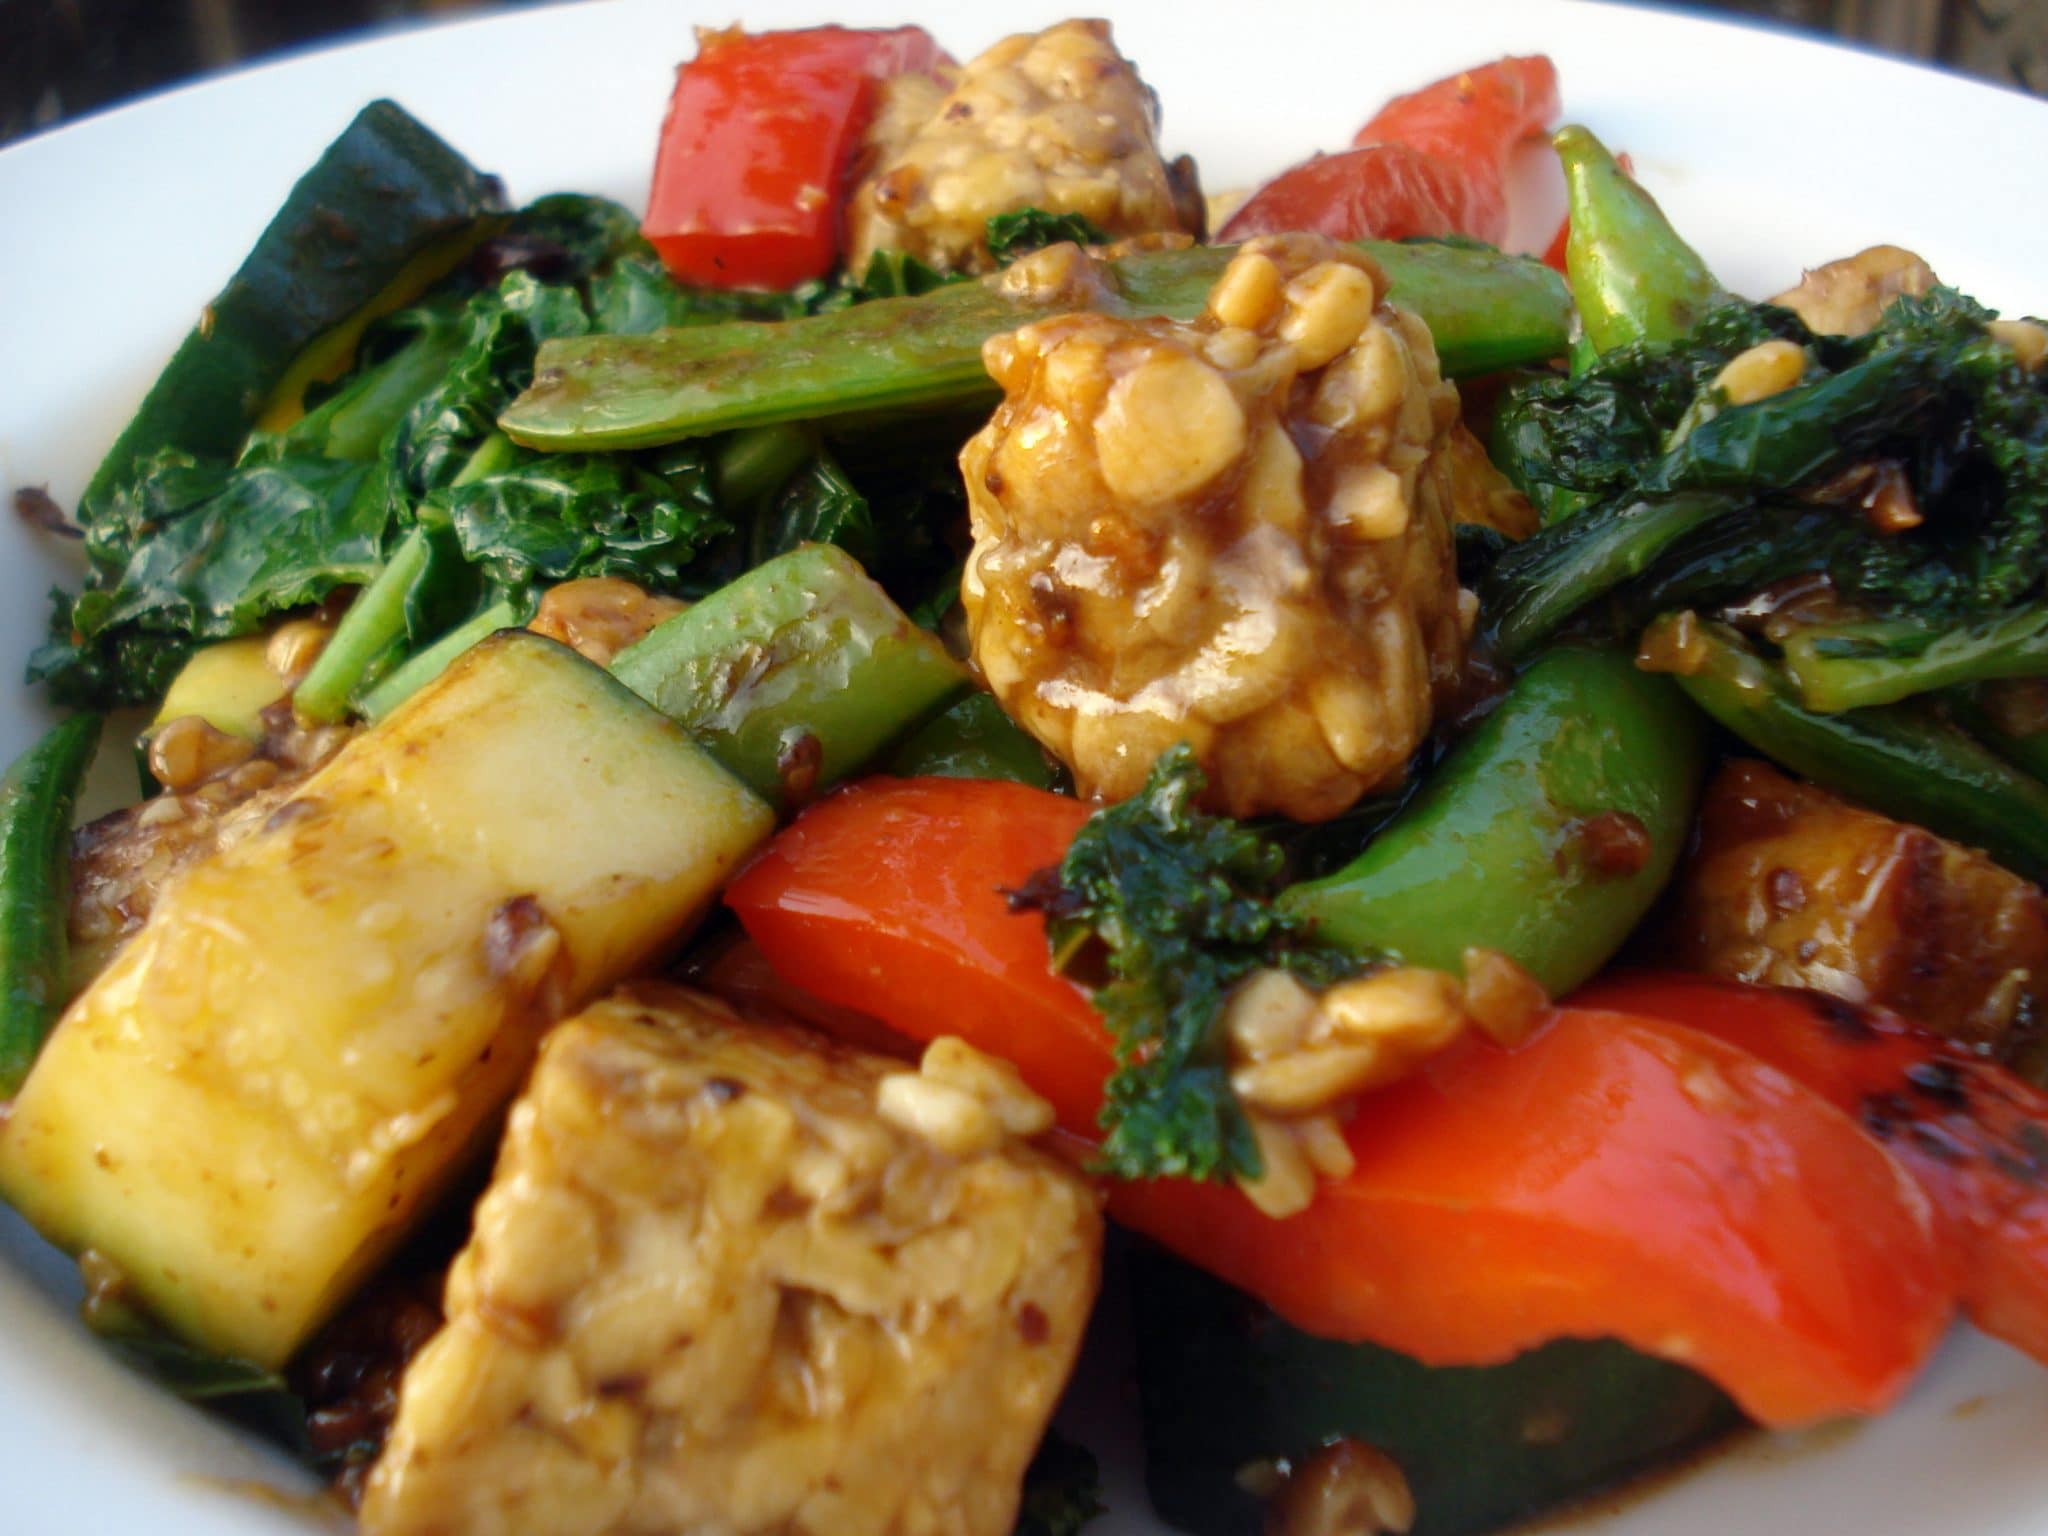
x=321, y=1023
x=1231, y=1394
x=386, y=211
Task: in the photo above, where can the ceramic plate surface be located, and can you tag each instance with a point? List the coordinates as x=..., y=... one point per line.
x=1769, y=152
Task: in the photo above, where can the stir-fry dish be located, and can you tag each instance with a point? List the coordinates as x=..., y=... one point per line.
x=728, y=792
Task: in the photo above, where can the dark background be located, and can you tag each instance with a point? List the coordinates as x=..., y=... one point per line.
x=61, y=58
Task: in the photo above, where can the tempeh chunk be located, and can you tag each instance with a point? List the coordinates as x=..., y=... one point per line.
x=729, y=1278
x=1793, y=887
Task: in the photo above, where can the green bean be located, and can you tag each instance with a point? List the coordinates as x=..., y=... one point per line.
x=37, y=799
x=795, y=674
x=974, y=739
x=1632, y=276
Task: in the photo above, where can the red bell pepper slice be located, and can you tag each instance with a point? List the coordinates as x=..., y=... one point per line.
x=1433, y=162
x=750, y=175
x=1615, y=1175
x=1975, y=1136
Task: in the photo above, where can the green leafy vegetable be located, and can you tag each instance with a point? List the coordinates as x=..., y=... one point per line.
x=1903, y=760
x=1672, y=468
x=1852, y=666
x=188, y=548
x=1062, y=1489
x=553, y=517
x=247, y=1393
x=1011, y=235
x=817, y=505
x=1180, y=903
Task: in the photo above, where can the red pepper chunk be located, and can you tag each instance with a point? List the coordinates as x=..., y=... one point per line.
x=1972, y=1134
x=1615, y=1175
x=750, y=174
x=1430, y=163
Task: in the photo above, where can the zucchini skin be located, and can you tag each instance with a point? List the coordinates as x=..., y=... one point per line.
x=37, y=799
x=1224, y=1384
x=381, y=194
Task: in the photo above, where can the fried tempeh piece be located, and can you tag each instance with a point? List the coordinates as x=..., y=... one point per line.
x=1794, y=887
x=729, y=1278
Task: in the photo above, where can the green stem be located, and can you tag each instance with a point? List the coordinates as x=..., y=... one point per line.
x=1541, y=582
x=1898, y=759
x=37, y=800
x=373, y=622
x=351, y=424
x=493, y=454
x=1853, y=666
x=416, y=672
x=1486, y=311
x=757, y=461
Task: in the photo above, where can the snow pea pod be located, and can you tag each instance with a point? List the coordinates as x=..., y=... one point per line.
x=796, y=674
x=974, y=739
x=1545, y=835
x=1634, y=279
x=36, y=801
x=1485, y=310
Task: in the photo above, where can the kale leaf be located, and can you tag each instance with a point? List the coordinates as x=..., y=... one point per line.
x=1674, y=495
x=817, y=505
x=189, y=548
x=1062, y=1489
x=553, y=517
x=1594, y=433
x=1011, y=235
x=1180, y=903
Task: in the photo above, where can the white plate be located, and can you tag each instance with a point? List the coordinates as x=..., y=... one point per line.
x=1769, y=152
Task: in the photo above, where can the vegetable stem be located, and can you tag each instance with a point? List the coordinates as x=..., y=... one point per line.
x=1853, y=666
x=1900, y=760
x=1541, y=582
x=373, y=622
x=493, y=455
x=414, y=673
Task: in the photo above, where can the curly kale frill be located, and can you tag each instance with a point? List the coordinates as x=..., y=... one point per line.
x=1176, y=908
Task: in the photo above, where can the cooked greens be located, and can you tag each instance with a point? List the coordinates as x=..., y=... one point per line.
x=1668, y=463
x=1062, y=1489
x=185, y=547
x=1180, y=903
x=1011, y=235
